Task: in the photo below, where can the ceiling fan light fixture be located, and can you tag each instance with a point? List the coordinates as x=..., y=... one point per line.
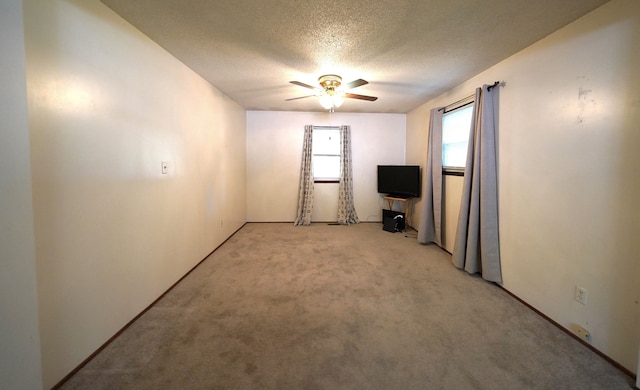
x=332, y=92
x=330, y=81
x=330, y=99
x=326, y=101
x=338, y=99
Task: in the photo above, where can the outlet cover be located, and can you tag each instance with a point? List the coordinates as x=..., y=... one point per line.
x=581, y=295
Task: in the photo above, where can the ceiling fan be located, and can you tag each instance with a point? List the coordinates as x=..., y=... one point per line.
x=332, y=92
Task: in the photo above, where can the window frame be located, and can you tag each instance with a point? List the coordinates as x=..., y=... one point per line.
x=460, y=104
x=313, y=154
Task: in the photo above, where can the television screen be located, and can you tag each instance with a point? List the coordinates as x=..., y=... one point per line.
x=399, y=180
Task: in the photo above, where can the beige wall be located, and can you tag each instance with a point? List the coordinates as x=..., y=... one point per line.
x=19, y=339
x=568, y=173
x=106, y=106
x=451, y=197
x=274, y=150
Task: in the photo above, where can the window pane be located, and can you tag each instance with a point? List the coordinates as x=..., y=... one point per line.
x=326, y=141
x=326, y=167
x=454, y=154
x=326, y=153
x=456, y=126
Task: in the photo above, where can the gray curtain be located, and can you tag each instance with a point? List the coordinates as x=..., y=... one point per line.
x=346, y=209
x=305, y=191
x=477, y=244
x=431, y=215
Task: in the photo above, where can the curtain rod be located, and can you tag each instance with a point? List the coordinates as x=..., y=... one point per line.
x=446, y=108
x=497, y=83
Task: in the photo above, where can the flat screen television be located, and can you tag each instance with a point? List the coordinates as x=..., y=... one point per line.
x=402, y=181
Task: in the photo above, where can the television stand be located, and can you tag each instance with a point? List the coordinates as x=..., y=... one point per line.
x=406, y=205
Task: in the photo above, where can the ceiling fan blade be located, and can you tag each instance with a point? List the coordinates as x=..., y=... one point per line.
x=304, y=85
x=356, y=83
x=361, y=97
x=296, y=98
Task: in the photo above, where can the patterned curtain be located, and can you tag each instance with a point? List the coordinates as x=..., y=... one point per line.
x=346, y=209
x=305, y=192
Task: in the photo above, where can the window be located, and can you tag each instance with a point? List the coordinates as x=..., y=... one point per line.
x=326, y=154
x=456, y=126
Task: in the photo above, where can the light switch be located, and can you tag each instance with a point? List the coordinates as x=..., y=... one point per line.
x=165, y=167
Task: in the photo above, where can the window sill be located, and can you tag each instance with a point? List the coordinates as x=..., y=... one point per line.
x=450, y=171
x=326, y=180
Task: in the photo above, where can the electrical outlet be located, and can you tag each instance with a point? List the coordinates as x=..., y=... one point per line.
x=581, y=295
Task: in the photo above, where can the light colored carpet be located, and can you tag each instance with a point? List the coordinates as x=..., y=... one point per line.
x=340, y=307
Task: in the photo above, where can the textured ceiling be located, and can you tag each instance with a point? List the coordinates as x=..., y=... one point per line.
x=409, y=50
